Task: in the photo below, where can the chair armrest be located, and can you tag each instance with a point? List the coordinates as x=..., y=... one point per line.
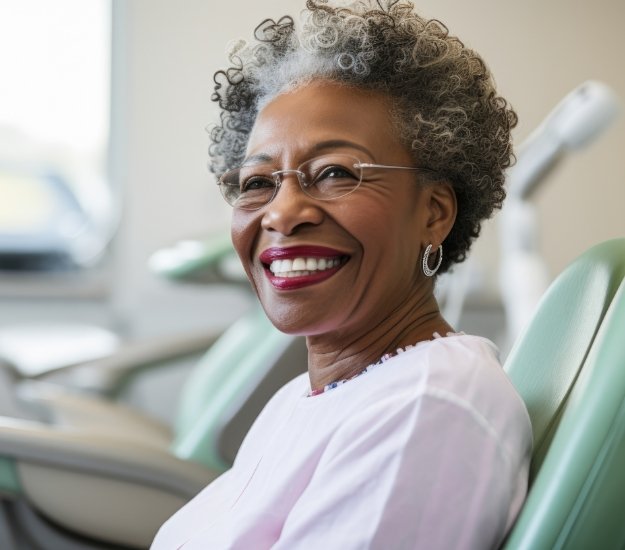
x=96, y=485
x=205, y=261
x=108, y=375
x=55, y=406
x=25, y=440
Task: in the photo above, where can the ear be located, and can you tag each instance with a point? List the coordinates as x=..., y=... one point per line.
x=442, y=208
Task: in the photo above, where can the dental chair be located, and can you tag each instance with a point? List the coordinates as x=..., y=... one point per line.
x=110, y=475
x=127, y=375
x=81, y=471
x=569, y=367
x=207, y=261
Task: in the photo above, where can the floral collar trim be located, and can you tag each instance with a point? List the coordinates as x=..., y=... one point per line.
x=370, y=367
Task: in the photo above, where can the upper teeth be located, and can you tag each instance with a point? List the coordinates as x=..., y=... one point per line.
x=302, y=266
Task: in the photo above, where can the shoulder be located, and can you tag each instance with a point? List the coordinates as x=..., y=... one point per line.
x=438, y=385
x=463, y=367
x=280, y=405
x=466, y=371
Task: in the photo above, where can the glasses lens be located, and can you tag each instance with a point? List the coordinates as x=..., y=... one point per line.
x=324, y=178
x=248, y=187
x=331, y=176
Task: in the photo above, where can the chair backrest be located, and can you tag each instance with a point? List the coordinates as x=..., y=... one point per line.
x=228, y=388
x=569, y=367
x=240, y=372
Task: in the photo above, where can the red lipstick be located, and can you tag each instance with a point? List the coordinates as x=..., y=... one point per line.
x=270, y=254
x=307, y=251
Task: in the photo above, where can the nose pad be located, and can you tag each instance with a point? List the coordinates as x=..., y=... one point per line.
x=279, y=176
x=290, y=207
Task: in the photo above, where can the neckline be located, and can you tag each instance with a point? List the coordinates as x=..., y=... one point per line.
x=380, y=361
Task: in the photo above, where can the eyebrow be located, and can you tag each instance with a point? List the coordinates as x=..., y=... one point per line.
x=317, y=148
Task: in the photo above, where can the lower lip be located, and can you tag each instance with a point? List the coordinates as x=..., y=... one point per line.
x=292, y=283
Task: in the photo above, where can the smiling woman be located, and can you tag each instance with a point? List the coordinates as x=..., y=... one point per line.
x=355, y=151
x=376, y=233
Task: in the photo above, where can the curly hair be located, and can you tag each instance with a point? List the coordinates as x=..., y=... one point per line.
x=445, y=106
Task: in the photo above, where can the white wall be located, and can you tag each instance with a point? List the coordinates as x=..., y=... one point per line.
x=537, y=50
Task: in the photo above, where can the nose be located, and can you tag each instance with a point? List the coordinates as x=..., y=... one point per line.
x=291, y=208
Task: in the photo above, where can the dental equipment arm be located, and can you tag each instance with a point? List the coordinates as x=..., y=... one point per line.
x=573, y=124
x=582, y=116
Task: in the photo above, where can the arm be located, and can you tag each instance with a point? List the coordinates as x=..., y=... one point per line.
x=428, y=474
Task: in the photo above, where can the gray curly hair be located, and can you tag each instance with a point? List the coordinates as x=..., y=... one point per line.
x=445, y=106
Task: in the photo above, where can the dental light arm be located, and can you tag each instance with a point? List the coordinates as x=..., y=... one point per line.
x=574, y=123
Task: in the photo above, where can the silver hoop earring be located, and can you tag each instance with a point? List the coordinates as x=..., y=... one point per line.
x=426, y=256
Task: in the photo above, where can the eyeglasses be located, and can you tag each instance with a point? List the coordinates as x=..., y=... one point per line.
x=323, y=178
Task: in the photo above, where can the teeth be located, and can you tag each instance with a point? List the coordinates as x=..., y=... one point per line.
x=299, y=267
x=299, y=264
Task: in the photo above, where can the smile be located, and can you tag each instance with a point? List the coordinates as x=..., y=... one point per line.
x=302, y=266
x=297, y=267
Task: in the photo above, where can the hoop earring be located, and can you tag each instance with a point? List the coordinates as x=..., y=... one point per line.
x=426, y=256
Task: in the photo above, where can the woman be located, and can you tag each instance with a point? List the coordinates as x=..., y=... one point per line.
x=360, y=151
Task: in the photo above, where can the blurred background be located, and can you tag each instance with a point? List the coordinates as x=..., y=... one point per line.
x=103, y=152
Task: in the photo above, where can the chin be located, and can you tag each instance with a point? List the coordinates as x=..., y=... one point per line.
x=296, y=323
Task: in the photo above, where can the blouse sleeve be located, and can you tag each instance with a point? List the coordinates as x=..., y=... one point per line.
x=429, y=473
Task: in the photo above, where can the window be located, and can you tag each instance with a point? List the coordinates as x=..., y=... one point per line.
x=55, y=66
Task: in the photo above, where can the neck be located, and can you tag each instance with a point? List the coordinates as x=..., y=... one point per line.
x=344, y=353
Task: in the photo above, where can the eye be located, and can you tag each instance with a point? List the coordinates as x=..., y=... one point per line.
x=336, y=171
x=255, y=183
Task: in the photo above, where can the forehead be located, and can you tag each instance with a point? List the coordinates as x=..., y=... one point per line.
x=295, y=122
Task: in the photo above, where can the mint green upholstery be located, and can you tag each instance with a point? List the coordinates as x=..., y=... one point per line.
x=217, y=367
x=9, y=480
x=239, y=373
x=78, y=444
x=569, y=367
x=199, y=261
x=252, y=358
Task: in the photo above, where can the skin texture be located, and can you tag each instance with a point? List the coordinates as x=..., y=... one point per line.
x=379, y=300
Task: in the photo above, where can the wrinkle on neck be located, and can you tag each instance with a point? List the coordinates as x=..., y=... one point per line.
x=341, y=354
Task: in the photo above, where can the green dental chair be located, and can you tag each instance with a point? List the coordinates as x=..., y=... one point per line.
x=569, y=367
x=208, y=261
x=110, y=475
x=83, y=489
x=79, y=470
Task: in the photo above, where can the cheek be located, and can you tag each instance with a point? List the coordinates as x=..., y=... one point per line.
x=244, y=231
x=384, y=219
x=390, y=233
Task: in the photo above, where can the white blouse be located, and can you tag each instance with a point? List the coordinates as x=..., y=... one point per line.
x=429, y=450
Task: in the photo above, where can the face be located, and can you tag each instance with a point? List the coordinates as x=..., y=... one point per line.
x=361, y=252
